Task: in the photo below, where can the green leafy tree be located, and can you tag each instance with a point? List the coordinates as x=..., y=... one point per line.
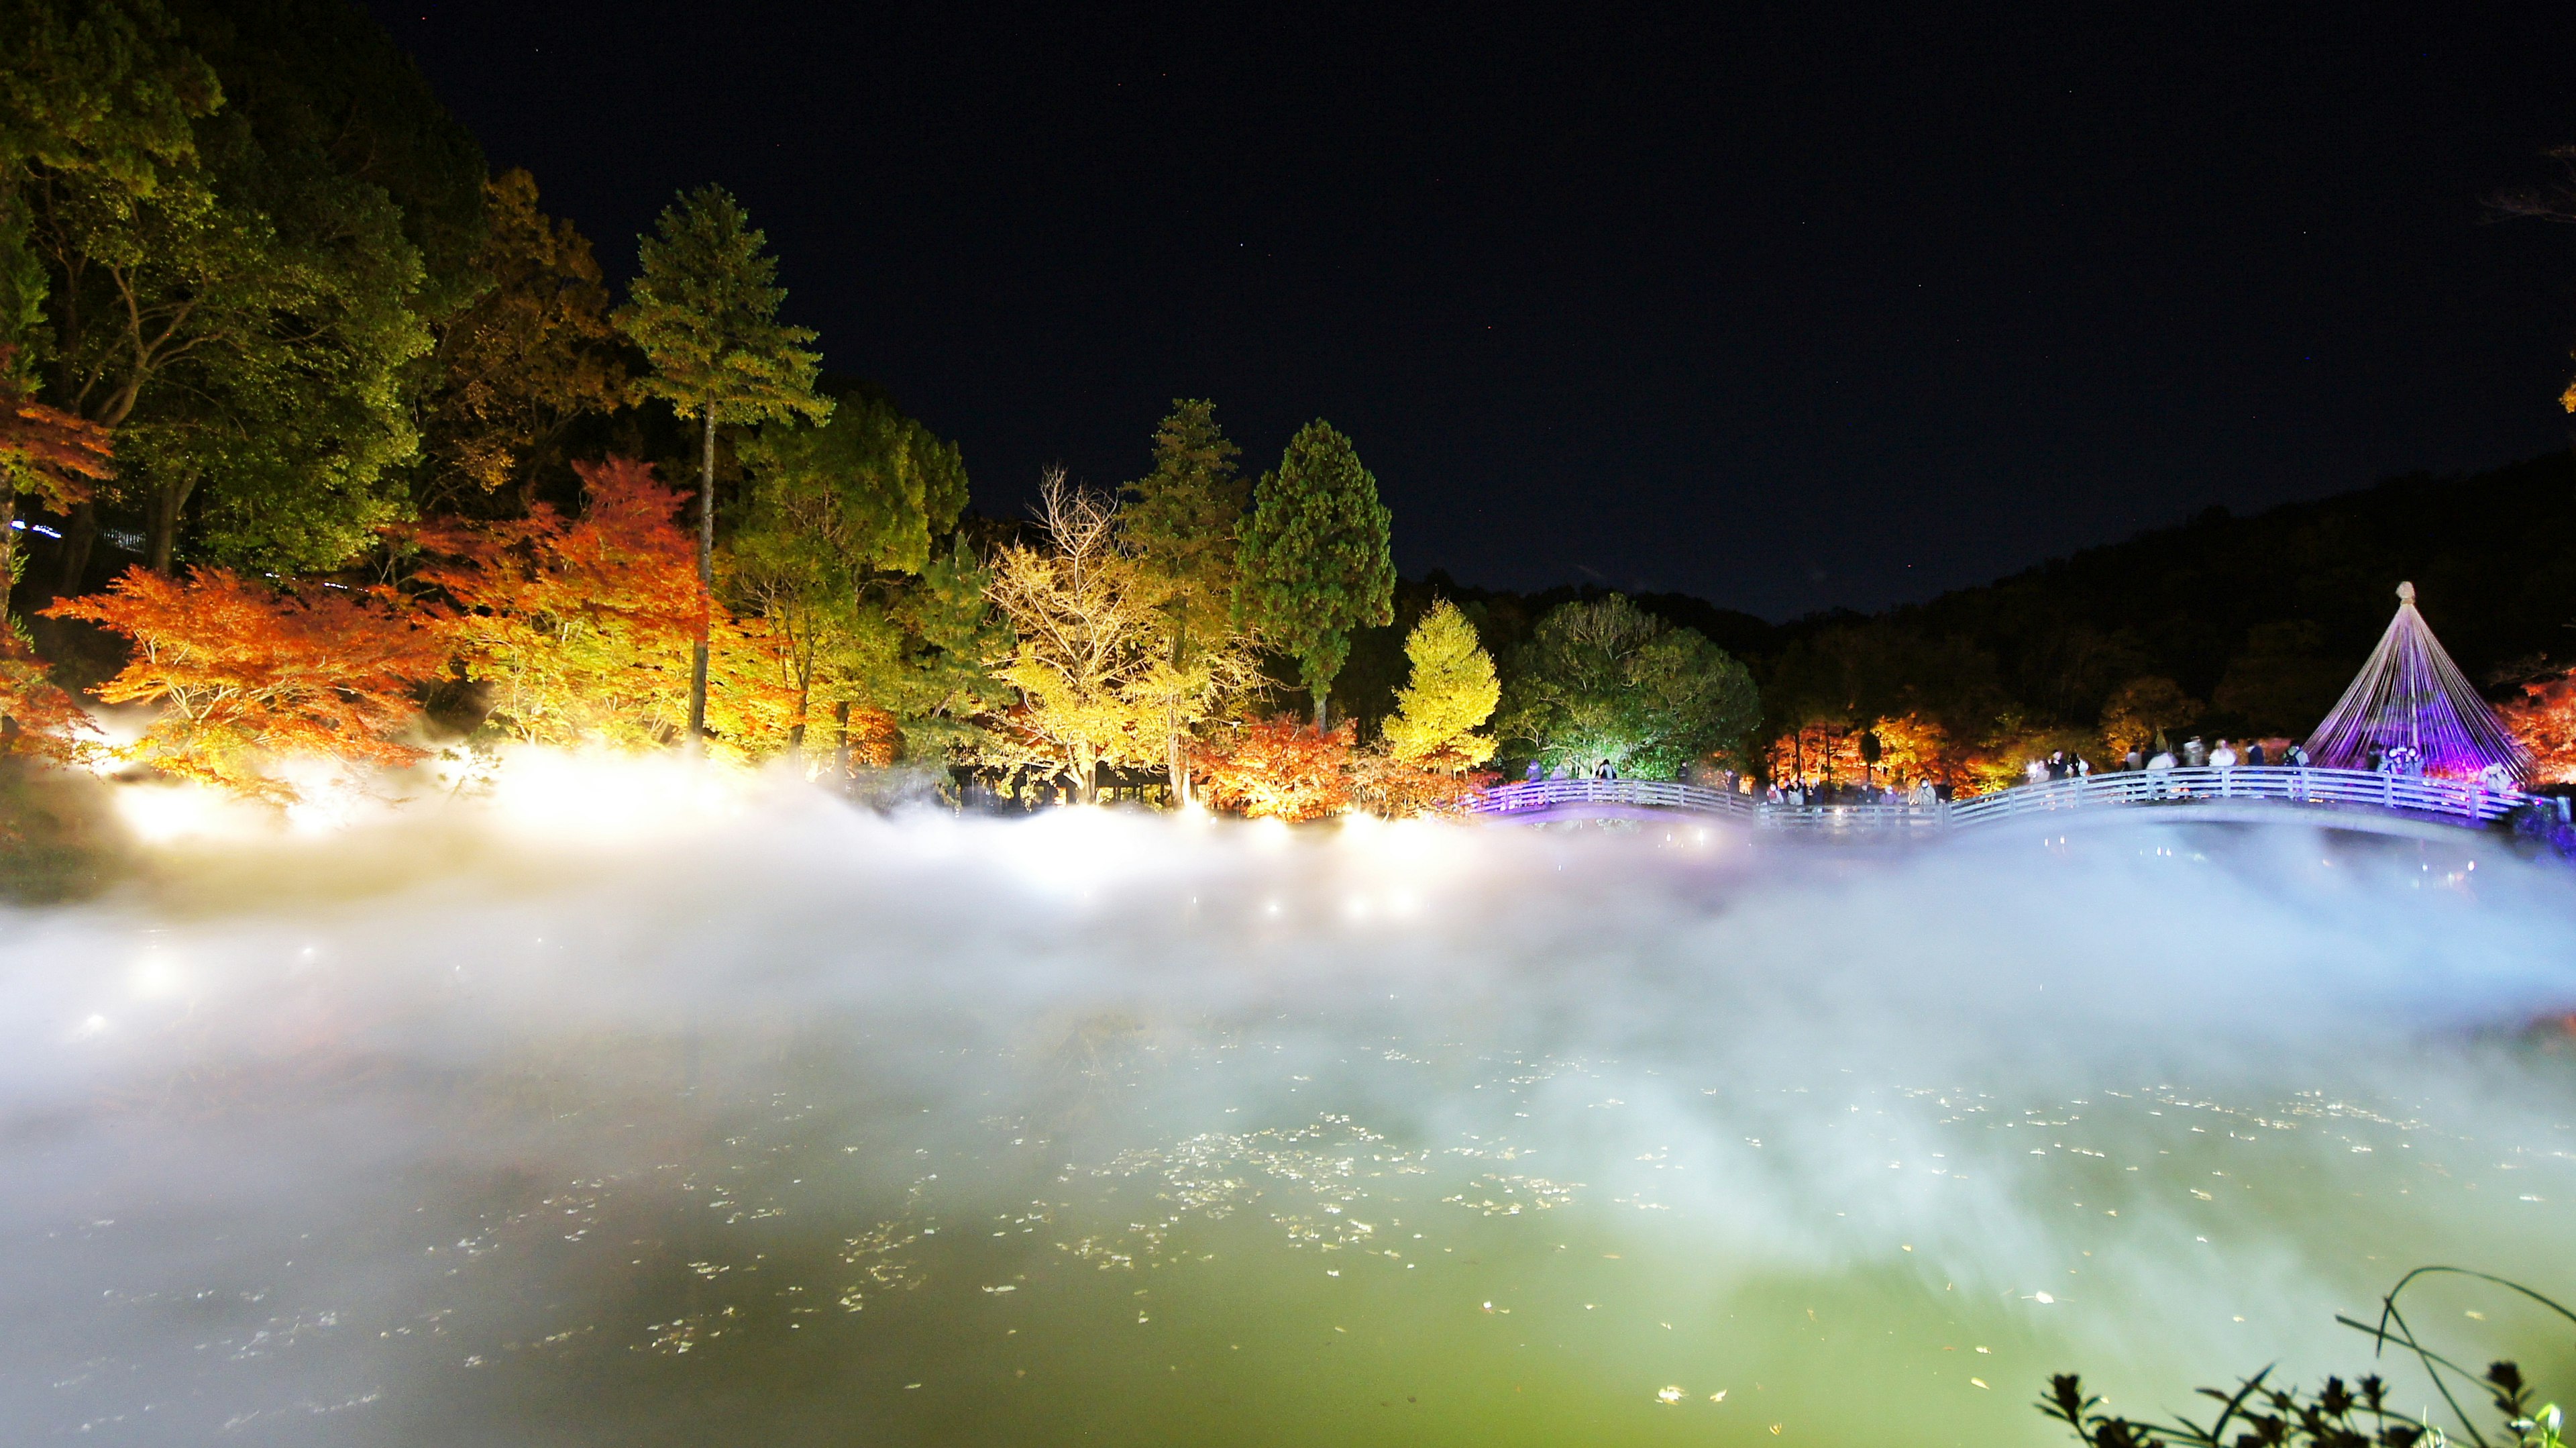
x=1313, y=559
x=1449, y=695
x=245, y=309
x=1179, y=523
x=1606, y=682
x=704, y=308
x=830, y=510
x=947, y=639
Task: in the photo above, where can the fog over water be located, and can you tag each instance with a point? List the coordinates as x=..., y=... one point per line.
x=592, y=1118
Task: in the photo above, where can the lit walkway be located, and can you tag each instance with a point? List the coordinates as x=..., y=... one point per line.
x=2345, y=798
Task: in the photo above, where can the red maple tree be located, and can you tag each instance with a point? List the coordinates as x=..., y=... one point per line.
x=244, y=672
x=1279, y=769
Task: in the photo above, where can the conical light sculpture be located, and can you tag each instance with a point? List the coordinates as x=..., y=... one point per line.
x=2411, y=696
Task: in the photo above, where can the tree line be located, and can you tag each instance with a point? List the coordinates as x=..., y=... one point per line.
x=319, y=438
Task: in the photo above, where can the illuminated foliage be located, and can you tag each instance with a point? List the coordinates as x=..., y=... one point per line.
x=1401, y=788
x=833, y=513
x=527, y=358
x=704, y=307
x=243, y=673
x=1279, y=769
x=1313, y=563
x=44, y=451
x=38, y=718
x=1180, y=521
x=1089, y=664
x=2544, y=720
x=2141, y=709
x=580, y=628
x=1605, y=681
x=237, y=276
x=1911, y=748
x=1448, y=696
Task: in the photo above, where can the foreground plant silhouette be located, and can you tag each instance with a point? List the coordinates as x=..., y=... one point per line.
x=2360, y=1415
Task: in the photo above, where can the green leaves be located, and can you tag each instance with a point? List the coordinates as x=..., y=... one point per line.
x=704, y=308
x=1606, y=681
x=1313, y=559
x=1180, y=522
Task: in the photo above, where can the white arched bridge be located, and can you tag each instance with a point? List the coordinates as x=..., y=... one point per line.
x=2348, y=799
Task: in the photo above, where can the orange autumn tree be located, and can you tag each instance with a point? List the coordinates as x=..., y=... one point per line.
x=1279, y=769
x=58, y=458
x=582, y=628
x=244, y=673
x=2544, y=719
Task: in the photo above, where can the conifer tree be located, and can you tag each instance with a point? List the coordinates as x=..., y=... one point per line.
x=1450, y=694
x=704, y=308
x=1179, y=523
x=1313, y=561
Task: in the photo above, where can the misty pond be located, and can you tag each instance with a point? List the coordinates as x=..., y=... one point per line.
x=798, y=1125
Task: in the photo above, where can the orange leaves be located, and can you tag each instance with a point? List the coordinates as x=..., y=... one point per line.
x=1403, y=788
x=2544, y=719
x=244, y=672
x=581, y=629
x=56, y=456
x=1280, y=769
x=42, y=721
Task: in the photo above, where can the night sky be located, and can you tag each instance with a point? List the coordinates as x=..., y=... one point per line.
x=1788, y=307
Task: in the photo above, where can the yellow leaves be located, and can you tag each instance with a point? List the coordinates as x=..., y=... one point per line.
x=1450, y=693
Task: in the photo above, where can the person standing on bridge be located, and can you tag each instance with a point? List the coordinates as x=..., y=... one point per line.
x=1537, y=772
x=2224, y=756
x=2195, y=753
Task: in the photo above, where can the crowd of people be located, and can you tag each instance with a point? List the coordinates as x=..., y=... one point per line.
x=1797, y=792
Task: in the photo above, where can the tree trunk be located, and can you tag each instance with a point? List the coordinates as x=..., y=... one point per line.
x=1323, y=695
x=706, y=579
x=8, y=549
x=841, y=740
x=167, y=504
x=1180, y=768
x=79, y=534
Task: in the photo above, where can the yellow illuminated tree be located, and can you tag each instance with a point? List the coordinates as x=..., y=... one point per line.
x=1449, y=695
x=1096, y=683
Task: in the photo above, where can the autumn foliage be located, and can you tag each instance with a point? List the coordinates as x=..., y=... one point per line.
x=580, y=628
x=1279, y=769
x=243, y=672
x=45, y=450
x=2544, y=719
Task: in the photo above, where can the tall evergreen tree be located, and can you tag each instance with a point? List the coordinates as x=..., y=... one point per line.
x=1180, y=522
x=1313, y=560
x=704, y=308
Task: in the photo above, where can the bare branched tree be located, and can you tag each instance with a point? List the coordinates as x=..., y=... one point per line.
x=1089, y=637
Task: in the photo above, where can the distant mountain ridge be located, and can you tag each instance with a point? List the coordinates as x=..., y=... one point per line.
x=2263, y=617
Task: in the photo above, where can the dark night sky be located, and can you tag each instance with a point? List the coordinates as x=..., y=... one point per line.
x=1788, y=307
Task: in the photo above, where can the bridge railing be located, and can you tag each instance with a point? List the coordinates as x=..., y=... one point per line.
x=2461, y=801
x=1542, y=794
x=1836, y=818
